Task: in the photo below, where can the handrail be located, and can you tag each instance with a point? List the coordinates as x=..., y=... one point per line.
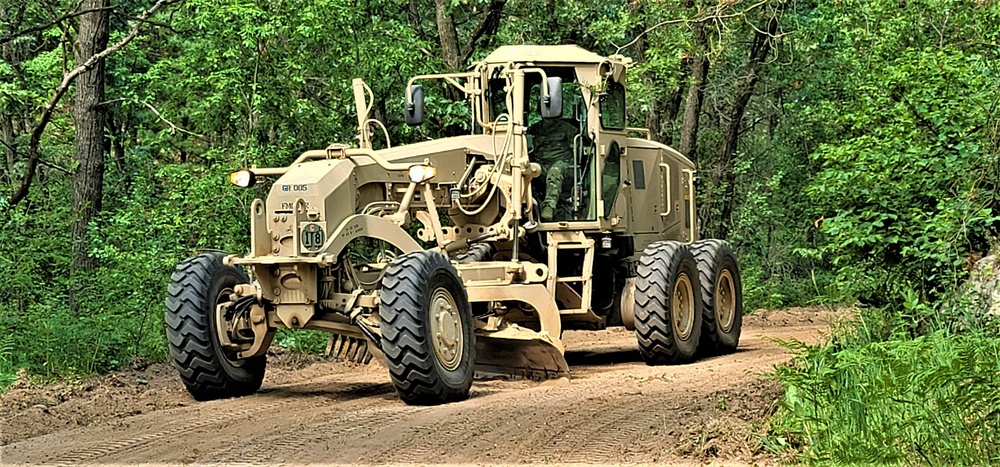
x=666, y=176
x=647, y=131
x=449, y=77
x=324, y=154
x=691, y=214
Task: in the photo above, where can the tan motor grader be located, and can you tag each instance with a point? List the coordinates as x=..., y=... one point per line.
x=485, y=284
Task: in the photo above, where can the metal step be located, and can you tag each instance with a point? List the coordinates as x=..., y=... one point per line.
x=578, y=243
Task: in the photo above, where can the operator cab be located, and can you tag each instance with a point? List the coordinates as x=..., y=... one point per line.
x=562, y=146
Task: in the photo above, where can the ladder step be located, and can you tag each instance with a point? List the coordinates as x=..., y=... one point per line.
x=573, y=246
x=571, y=279
x=573, y=311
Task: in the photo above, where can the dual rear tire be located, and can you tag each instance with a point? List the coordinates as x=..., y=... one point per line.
x=721, y=295
x=688, y=301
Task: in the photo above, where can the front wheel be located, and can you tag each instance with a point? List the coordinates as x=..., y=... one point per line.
x=197, y=286
x=427, y=329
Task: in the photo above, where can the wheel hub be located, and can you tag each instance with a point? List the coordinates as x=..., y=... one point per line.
x=228, y=324
x=725, y=300
x=446, y=329
x=683, y=307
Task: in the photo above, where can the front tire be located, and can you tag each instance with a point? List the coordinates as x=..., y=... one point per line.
x=197, y=285
x=668, y=315
x=721, y=294
x=427, y=329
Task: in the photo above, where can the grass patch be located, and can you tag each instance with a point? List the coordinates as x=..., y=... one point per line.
x=302, y=340
x=929, y=399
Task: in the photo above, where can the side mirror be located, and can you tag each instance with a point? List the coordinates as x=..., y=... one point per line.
x=414, y=112
x=552, y=103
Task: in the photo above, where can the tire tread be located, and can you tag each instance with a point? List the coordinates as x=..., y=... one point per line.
x=654, y=284
x=189, y=333
x=408, y=352
x=708, y=255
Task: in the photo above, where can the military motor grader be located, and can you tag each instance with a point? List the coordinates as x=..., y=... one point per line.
x=485, y=284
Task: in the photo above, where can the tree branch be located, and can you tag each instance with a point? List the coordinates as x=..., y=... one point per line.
x=488, y=26
x=156, y=112
x=710, y=17
x=34, y=153
x=53, y=166
x=54, y=22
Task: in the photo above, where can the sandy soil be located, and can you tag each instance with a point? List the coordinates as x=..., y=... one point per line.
x=614, y=409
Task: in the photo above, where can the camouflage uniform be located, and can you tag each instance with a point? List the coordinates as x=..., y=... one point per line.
x=553, y=141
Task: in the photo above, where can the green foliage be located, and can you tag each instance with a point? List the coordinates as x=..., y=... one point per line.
x=313, y=342
x=934, y=399
x=7, y=365
x=867, y=166
x=915, y=196
x=157, y=217
x=908, y=183
x=898, y=113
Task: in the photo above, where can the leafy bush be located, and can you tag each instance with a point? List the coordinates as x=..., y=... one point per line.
x=156, y=217
x=934, y=399
x=910, y=190
x=7, y=368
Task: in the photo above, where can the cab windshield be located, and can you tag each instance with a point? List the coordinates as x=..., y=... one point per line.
x=559, y=145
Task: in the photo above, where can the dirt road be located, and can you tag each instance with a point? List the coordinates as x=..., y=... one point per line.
x=615, y=409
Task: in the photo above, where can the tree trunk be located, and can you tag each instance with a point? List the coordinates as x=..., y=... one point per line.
x=696, y=92
x=89, y=176
x=669, y=113
x=635, y=8
x=413, y=15
x=448, y=35
x=486, y=30
x=7, y=140
x=12, y=52
x=722, y=174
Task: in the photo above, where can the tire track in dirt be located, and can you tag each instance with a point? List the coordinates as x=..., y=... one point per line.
x=116, y=446
x=477, y=419
x=577, y=444
x=230, y=442
x=615, y=409
x=321, y=427
x=207, y=422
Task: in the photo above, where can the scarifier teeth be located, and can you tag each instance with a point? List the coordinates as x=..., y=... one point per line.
x=348, y=349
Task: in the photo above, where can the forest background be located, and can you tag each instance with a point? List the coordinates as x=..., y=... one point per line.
x=848, y=149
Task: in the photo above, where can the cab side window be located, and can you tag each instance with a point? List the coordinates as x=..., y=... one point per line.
x=613, y=107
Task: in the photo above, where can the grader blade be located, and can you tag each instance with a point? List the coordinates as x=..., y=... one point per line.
x=517, y=352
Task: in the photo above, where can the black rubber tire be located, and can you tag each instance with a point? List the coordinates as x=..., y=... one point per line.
x=194, y=346
x=659, y=268
x=476, y=253
x=404, y=308
x=714, y=257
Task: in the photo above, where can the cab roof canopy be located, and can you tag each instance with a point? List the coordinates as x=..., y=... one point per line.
x=543, y=54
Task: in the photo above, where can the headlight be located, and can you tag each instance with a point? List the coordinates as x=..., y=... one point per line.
x=422, y=173
x=242, y=178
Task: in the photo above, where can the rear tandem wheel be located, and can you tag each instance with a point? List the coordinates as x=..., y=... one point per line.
x=722, y=296
x=668, y=315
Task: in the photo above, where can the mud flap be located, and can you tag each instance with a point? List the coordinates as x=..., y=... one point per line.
x=518, y=352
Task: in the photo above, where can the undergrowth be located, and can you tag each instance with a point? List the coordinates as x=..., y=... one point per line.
x=894, y=387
